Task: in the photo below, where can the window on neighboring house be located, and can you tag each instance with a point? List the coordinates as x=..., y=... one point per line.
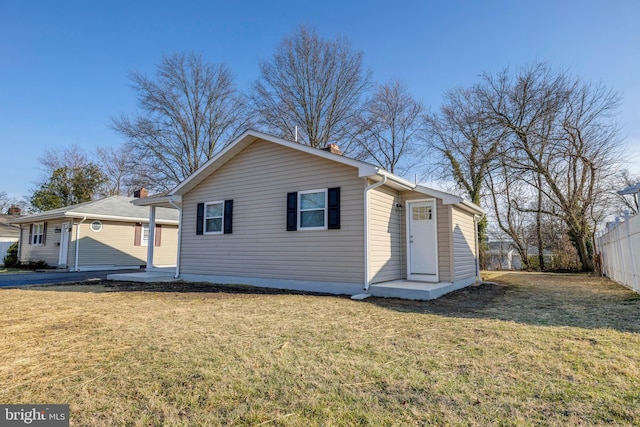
x=312, y=209
x=213, y=217
x=141, y=235
x=38, y=234
x=144, y=238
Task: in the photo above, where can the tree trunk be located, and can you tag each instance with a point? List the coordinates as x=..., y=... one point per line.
x=580, y=241
x=539, y=226
x=482, y=242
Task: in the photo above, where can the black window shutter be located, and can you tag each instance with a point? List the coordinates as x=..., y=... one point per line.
x=228, y=216
x=334, y=208
x=200, y=219
x=292, y=211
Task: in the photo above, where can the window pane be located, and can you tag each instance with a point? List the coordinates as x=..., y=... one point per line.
x=422, y=213
x=312, y=218
x=214, y=210
x=213, y=225
x=312, y=201
x=145, y=235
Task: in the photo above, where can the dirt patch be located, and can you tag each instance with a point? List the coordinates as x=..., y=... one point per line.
x=466, y=301
x=175, y=287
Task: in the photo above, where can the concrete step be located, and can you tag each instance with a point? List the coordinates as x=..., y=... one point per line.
x=412, y=290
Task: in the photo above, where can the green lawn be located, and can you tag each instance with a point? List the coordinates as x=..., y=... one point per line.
x=534, y=349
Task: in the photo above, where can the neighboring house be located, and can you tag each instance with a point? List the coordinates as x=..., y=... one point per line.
x=500, y=255
x=99, y=235
x=9, y=234
x=271, y=212
x=504, y=255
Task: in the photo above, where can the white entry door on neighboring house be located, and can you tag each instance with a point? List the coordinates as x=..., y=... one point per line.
x=422, y=241
x=65, y=231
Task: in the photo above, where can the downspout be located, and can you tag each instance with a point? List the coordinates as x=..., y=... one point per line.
x=75, y=268
x=476, y=220
x=179, y=238
x=366, y=229
x=20, y=244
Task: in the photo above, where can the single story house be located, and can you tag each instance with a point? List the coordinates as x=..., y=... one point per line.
x=105, y=234
x=9, y=234
x=270, y=212
x=504, y=255
x=500, y=255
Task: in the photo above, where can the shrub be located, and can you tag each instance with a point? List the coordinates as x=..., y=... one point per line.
x=34, y=265
x=11, y=259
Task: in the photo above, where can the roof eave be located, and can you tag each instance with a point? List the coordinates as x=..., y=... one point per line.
x=80, y=215
x=249, y=137
x=168, y=201
x=393, y=181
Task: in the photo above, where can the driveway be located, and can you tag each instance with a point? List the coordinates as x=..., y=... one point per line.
x=50, y=277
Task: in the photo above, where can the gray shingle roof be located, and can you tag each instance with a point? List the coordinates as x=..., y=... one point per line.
x=118, y=207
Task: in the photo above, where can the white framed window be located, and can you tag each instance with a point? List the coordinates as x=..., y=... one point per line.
x=214, y=217
x=144, y=235
x=37, y=234
x=96, y=226
x=422, y=213
x=312, y=209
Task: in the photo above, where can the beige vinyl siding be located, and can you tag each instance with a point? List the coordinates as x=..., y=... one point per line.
x=258, y=180
x=167, y=253
x=49, y=252
x=385, y=235
x=445, y=268
x=114, y=246
x=464, y=246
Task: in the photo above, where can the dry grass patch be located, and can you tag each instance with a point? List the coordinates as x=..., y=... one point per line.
x=535, y=349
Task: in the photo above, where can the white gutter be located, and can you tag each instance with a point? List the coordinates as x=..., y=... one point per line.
x=179, y=237
x=78, y=242
x=74, y=215
x=366, y=228
x=20, y=244
x=397, y=179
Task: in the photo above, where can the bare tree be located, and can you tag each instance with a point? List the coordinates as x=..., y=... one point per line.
x=188, y=111
x=562, y=130
x=466, y=145
x=7, y=202
x=390, y=128
x=124, y=175
x=312, y=83
x=507, y=191
x=625, y=200
x=72, y=156
x=467, y=142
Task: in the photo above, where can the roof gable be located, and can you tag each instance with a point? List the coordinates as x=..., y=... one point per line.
x=365, y=170
x=248, y=138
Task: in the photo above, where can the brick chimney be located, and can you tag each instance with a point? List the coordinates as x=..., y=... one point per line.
x=14, y=210
x=333, y=149
x=141, y=193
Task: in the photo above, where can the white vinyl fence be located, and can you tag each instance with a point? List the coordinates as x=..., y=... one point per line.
x=620, y=249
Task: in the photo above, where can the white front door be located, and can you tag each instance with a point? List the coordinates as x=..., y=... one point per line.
x=64, y=243
x=422, y=241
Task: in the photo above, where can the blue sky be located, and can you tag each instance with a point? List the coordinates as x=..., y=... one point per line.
x=64, y=65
